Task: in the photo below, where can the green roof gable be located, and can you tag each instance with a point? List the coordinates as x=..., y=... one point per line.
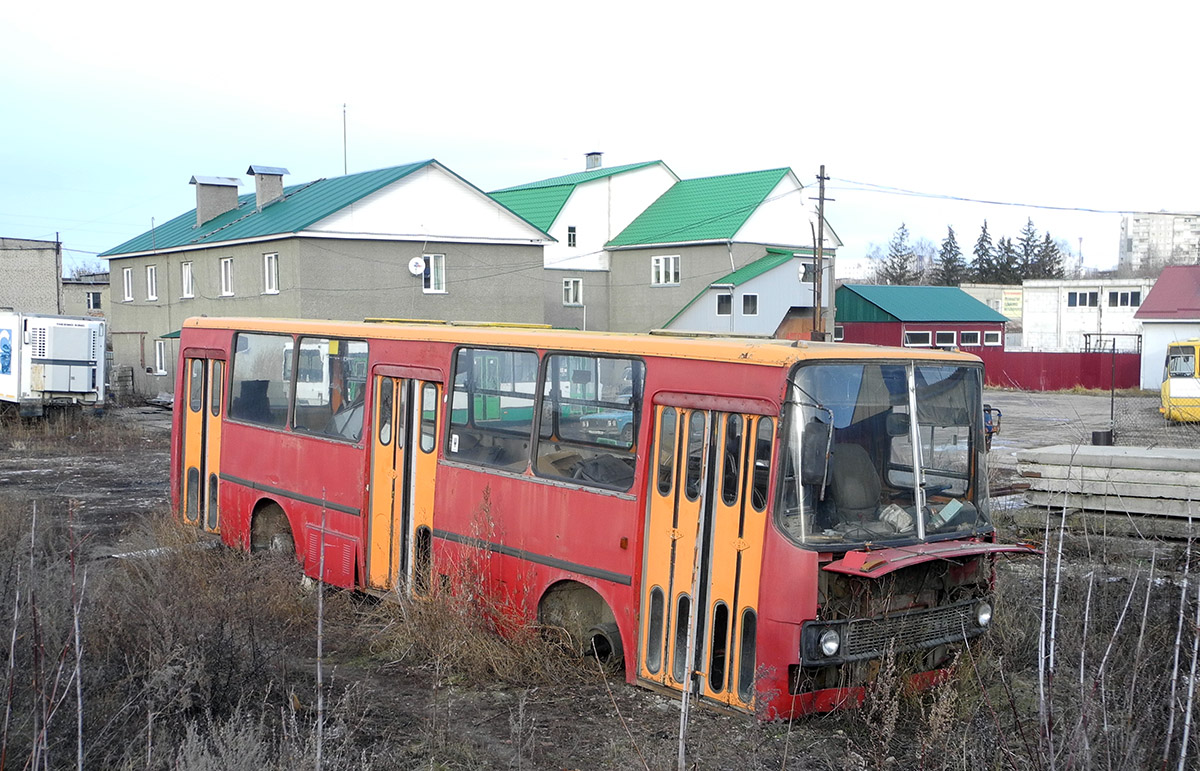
x=867, y=302
x=539, y=205
x=301, y=206
x=540, y=202
x=706, y=209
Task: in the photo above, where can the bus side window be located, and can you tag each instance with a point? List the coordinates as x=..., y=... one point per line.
x=492, y=407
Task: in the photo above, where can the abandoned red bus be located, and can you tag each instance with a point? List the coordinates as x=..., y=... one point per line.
x=755, y=521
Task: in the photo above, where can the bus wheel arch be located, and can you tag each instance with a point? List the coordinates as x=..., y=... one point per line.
x=270, y=529
x=586, y=617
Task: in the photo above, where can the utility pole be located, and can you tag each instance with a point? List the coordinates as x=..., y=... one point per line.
x=819, y=313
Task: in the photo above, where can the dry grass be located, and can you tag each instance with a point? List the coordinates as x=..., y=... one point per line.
x=68, y=430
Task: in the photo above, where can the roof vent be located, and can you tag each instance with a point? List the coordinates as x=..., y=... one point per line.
x=593, y=160
x=214, y=197
x=268, y=184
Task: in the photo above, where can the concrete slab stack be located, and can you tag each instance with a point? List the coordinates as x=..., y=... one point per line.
x=1161, y=482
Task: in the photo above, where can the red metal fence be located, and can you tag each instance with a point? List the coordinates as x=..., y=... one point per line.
x=1056, y=371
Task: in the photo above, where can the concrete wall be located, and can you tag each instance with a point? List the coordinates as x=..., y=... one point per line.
x=75, y=295
x=29, y=275
x=1049, y=323
x=320, y=278
x=593, y=314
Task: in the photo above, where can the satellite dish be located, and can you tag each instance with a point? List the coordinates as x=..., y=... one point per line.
x=416, y=266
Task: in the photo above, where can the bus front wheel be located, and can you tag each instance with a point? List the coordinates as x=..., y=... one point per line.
x=270, y=532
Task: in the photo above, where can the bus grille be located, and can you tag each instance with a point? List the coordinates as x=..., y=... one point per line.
x=912, y=630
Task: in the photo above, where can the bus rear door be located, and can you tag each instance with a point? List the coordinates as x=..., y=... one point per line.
x=403, y=470
x=202, y=418
x=703, y=552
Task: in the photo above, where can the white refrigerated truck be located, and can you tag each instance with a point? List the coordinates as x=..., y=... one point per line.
x=51, y=361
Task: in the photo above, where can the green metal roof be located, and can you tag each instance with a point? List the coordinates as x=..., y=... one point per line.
x=539, y=205
x=916, y=303
x=773, y=259
x=302, y=205
x=540, y=202
x=705, y=209
x=578, y=178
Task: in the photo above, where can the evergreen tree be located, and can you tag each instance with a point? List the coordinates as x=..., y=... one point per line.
x=1026, y=252
x=1048, y=260
x=899, y=266
x=983, y=266
x=1008, y=262
x=951, y=269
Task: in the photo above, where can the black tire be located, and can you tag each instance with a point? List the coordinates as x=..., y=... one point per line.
x=604, y=643
x=627, y=435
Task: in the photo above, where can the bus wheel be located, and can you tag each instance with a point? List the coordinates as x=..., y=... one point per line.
x=604, y=642
x=270, y=532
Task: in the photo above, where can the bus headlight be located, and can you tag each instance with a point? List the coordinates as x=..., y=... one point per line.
x=983, y=614
x=830, y=642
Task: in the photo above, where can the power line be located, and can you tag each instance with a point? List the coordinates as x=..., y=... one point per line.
x=871, y=187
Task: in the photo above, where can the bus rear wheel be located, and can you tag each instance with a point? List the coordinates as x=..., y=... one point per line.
x=604, y=643
x=270, y=532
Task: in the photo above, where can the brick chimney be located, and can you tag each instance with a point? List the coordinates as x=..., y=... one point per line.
x=214, y=197
x=593, y=160
x=268, y=184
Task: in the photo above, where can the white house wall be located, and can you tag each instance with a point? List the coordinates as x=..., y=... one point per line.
x=778, y=291
x=1049, y=323
x=430, y=202
x=1156, y=336
x=785, y=217
x=599, y=210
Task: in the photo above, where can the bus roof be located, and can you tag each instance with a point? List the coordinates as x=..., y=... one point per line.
x=760, y=351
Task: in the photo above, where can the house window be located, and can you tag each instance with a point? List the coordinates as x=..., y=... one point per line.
x=93, y=301
x=945, y=339
x=969, y=338
x=227, y=277
x=127, y=278
x=749, y=305
x=1083, y=299
x=991, y=338
x=664, y=270
x=839, y=333
x=160, y=357
x=724, y=304
x=185, y=280
x=916, y=339
x=1135, y=298
x=572, y=291
x=271, y=273
x=1072, y=299
x=571, y=236
x=151, y=282
x=1093, y=299
x=435, y=273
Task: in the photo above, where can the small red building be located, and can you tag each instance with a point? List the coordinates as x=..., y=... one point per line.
x=917, y=317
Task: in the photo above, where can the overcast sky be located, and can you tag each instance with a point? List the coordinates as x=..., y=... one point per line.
x=109, y=108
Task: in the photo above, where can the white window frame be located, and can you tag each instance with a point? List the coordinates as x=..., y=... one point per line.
x=151, y=283
x=271, y=273
x=969, y=338
x=939, y=342
x=839, y=333
x=160, y=357
x=434, y=279
x=186, y=281
x=664, y=270
x=572, y=292
x=992, y=338
x=127, y=283
x=93, y=306
x=748, y=296
x=912, y=339
x=729, y=309
x=227, y=277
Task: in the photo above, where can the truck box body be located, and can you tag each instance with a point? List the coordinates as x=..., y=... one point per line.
x=51, y=360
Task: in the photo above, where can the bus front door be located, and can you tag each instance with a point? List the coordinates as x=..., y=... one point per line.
x=204, y=381
x=403, y=469
x=703, y=553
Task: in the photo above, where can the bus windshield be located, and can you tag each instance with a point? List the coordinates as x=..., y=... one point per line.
x=883, y=452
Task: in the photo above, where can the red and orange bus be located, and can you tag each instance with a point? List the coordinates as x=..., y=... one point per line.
x=757, y=522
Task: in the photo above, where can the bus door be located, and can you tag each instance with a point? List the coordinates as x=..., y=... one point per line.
x=204, y=381
x=703, y=558
x=403, y=470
